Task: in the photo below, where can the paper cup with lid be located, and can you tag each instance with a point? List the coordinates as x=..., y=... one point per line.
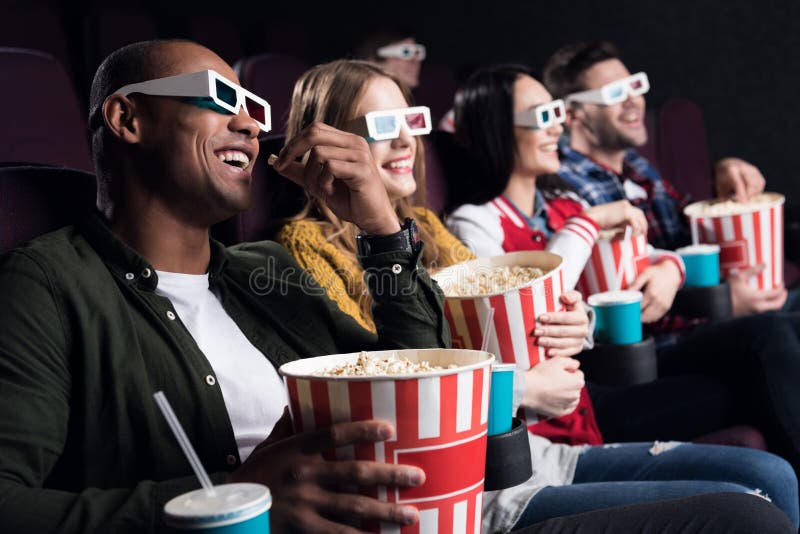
x=618, y=316
x=701, y=263
x=241, y=508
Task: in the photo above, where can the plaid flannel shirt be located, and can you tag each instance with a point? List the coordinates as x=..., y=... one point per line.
x=667, y=228
x=597, y=184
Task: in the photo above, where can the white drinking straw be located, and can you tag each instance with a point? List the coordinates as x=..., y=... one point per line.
x=487, y=325
x=623, y=257
x=184, y=442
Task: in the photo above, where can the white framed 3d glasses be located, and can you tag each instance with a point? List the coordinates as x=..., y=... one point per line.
x=614, y=92
x=403, y=51
x=542, y=116
x=224, y=93
x=386, y=124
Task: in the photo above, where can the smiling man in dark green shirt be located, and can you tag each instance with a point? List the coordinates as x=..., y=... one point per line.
x=87, y=337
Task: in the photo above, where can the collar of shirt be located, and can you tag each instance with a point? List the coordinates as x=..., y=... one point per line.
x=569, y=154
x=538, y=221
x=126, y=263
x=599, y=183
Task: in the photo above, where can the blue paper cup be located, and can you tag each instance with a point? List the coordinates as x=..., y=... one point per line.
x=501, y=398
x=241, y=508
x=702, y=265
x=618, y=316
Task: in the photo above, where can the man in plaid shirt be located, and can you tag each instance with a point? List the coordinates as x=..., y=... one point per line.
x=640, y=183
x=605, y=119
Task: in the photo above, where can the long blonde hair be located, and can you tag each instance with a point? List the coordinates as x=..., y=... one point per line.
x=330, y=93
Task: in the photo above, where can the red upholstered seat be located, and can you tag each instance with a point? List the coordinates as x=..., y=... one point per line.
x=683, y=148
x=737, y=436
x=42, y=118
x=272, y=77
x=36, y=27
x=437, y=87
x=114, y=27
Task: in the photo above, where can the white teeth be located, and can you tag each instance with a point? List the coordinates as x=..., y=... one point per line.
x=552, y=147
x=400, y=164
x=239, y=158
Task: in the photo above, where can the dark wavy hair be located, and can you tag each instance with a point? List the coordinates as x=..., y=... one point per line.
x=484, y=121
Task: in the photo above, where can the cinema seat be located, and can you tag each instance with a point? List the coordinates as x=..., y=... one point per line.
x=42, y=119
x=35, y=200
x=272, y=77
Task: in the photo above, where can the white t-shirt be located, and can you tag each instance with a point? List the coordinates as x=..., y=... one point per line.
x=253, y=391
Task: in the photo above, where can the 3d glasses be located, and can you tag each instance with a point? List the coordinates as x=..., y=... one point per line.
x=543, y=116
x=403, y=51
x=386, y=124
x=207, y=84
x=614, y=92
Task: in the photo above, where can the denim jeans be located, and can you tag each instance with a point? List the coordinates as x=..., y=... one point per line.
x=621, y=474
x=711, y=513
x=739, y=371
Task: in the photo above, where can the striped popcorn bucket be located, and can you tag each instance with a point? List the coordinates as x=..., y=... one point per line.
x=600, y=273
x=440, y=417
x=751, y=236
x=515, y=310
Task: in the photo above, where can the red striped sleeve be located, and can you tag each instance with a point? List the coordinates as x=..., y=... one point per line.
x=583, y=227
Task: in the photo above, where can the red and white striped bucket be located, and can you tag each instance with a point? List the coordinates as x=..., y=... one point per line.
x=600, y=273
x=515, y=310
x=750, y=237
x=440, y=417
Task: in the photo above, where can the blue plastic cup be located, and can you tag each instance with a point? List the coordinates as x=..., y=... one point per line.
x=241, y=508
x=702, y=265
x=618, y=316
x=501, y=398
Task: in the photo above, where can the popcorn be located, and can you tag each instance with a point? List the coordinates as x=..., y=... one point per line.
x=490, y=280
x=367, y=365
x=714, y=208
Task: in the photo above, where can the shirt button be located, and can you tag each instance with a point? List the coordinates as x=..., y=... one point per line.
x=231, y=460
x=129, y=276
x=170, y=315
x=537, y=237
x=147, y=272
x=396, y=268
x=210, y=380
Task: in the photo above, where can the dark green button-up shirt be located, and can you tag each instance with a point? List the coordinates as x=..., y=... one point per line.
x=85, y=342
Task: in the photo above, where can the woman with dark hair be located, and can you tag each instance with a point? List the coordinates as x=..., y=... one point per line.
x=509, y=126
x=512, y=142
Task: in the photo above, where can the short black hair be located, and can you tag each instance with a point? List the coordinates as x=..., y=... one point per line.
x=484, y=122
x=563, y=71
x=133, y=63
x=370, y=42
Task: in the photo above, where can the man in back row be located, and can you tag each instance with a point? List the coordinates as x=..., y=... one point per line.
x=600, y=161
x=136, y=298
